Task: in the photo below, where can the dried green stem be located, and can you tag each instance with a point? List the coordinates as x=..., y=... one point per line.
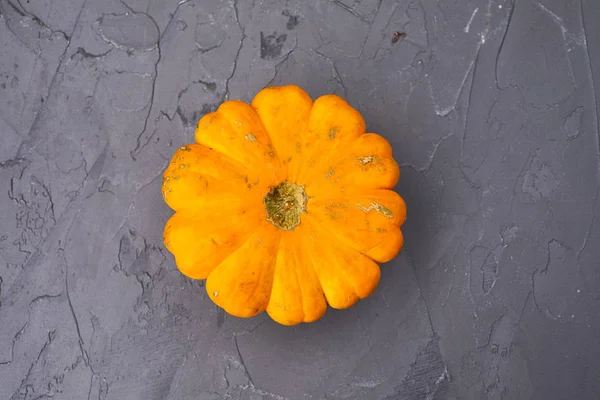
x=284, y=204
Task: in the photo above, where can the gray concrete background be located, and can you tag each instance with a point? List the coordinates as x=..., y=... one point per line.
x=491, y=107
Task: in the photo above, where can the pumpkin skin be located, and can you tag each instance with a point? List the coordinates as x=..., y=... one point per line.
x=284, y=205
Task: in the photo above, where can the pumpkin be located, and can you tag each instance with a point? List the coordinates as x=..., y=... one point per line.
x=284, y=205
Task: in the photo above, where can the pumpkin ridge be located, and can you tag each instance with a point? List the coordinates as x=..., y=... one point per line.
x=229, y=161
x=311, y=265
x=261, y=276
x=364, y=252
x=307, y=170
x=198, y=173
x=302, y=301
x=283, y=261
x=297, y=272
x=383, y=222
x=354, y=178
x=242, y=243
x=365, y=200
x=262, y=271
x=270, y=146
x=342, y=241
x=256, y=159
x=365, y=148
x=332, y=124
x=319, y=227
x=341, y=245
x=303, y=294
x=321, y=161
x=182, y=214
x=284, y=112
x=226, y=158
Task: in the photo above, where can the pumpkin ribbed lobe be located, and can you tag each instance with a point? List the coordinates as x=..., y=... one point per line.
x=285, y=203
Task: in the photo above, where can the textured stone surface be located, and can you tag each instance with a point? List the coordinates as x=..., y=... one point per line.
x=491, y=106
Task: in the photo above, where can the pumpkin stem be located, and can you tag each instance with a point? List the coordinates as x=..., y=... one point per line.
x=284, y=204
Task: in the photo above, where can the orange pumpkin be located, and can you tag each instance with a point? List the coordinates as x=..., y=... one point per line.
x=284, y=205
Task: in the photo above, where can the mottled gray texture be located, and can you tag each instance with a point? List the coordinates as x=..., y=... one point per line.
x=490, y=105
